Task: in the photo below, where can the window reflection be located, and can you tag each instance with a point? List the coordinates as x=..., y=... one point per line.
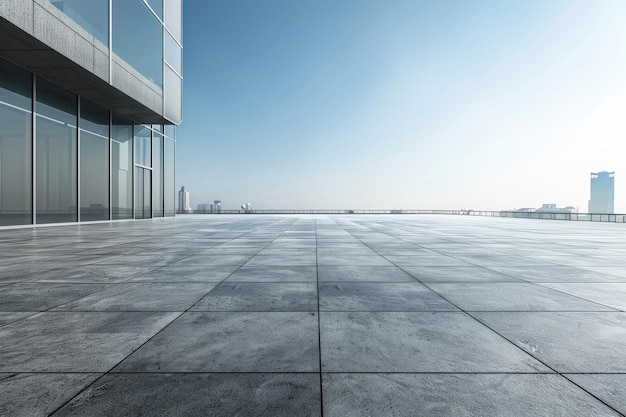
x=15, y=145
x=143, y=199
x=92, y=15
x=56, y=172
x=94, y=177
x=94, y=118
x=168, y=177
x=157, y=6
x=173, y=53
x=55, y=102
x=122, y=166
x=15, y=166
x=143, y=148
x=138, y=38
x=172, y=92
x=157, y=176
x=56, y=154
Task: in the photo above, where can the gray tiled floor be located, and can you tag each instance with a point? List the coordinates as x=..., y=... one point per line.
x=314, y=315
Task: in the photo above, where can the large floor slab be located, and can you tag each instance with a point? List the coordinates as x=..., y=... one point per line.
x=75, y=342
x=232, y=342
x=501, y=395
x=263, y=395
x=416, y=342
x=576, y=342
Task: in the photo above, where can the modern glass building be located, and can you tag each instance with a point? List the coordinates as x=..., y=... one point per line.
x=602, y=199
x=90, y=96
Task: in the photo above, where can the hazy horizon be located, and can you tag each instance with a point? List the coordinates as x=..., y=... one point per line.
x=402, y=104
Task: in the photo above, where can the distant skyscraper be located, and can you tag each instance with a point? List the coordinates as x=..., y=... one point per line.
x=183, y=200
x=602, y=193
x=218, y=206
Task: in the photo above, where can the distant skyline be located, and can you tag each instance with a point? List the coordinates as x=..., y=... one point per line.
x=369, y=104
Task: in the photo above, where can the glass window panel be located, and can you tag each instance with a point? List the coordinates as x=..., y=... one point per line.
x=122, y=166
x=16, y=85
x=157, y=176
x=158, y=128
x=157, y=6
x=147, y=186
x=173, y=17
x=169, y=188
x=94, y=118
x=139, y=193
x=172, y=96
x=138, y=38
x=143, y=148
x=143, y=208
x=92, y=15
x=94, y=177
x=56, y=172
x=55, y=102
x=15, y=166
x=170, y=131
x=173, y=53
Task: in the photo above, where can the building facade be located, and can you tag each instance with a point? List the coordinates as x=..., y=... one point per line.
x=602, y=199
x=90, y=96
x=183, y=200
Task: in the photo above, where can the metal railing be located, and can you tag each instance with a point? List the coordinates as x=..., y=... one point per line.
x=587, y=217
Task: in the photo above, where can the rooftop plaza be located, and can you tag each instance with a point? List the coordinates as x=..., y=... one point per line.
x=300, y=315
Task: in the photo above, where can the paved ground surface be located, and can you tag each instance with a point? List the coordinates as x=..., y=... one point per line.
x=314, y=315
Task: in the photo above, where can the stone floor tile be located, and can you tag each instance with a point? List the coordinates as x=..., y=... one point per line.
x=180, y=274
x=232, y=342
x=143, y=296
x=33, y=395
x=434, y=395
x=264, y=296
x=456, y=274
x=568, y=342
x=556, y=273
x=328, y=260
x=389, y=296
x=274, y=274
x=609, y=388
x=416, y=342
x=608, y=294
x=356, y=273
x=509, y=296
x=75, y=342
x=263, y=395
x=10, y=317
x=40, y=296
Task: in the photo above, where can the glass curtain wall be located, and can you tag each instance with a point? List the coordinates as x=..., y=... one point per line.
x=56, y=153
x=143, y=172
x=15, y=145
x=169, y=189
x=157, y=175
x=94, y=162
x=122, y=168
x=87, y=161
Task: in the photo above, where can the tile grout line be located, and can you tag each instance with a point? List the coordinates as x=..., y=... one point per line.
x=497, y=333
x=319, y=324
x=157, y=333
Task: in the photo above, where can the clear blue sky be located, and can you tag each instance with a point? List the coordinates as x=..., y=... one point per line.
x=402, y=103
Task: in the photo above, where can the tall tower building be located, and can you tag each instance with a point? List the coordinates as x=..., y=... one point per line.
x=602, y=199
x=183, y=200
